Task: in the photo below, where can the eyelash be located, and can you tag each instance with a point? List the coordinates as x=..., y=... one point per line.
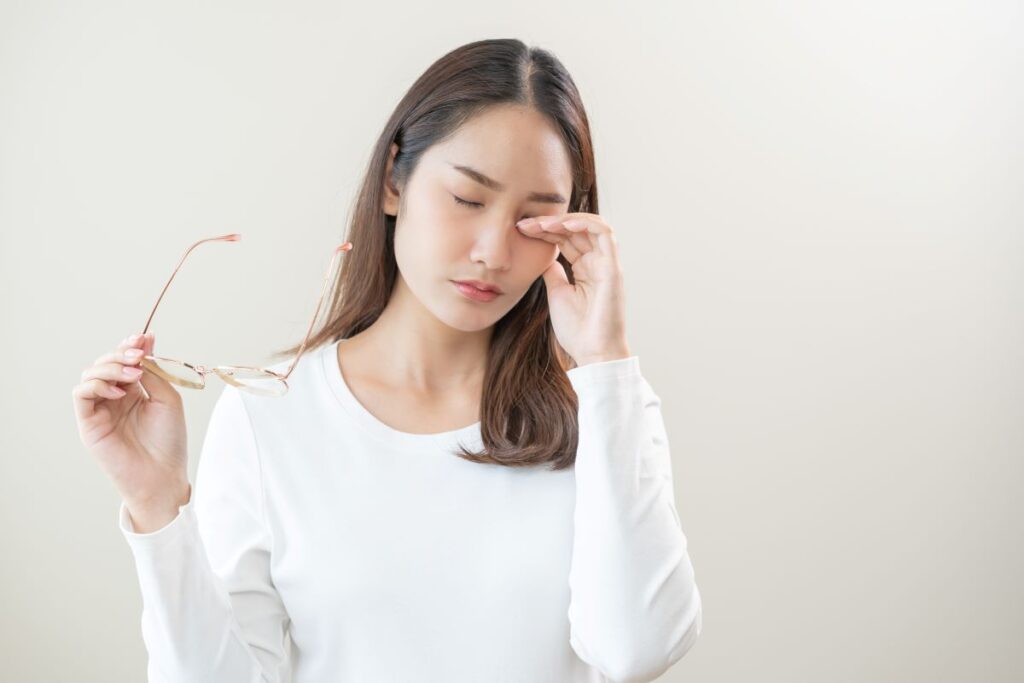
x=459, y=200
x=472, y=205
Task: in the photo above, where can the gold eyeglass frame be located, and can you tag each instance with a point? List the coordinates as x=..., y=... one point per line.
x=226, y=372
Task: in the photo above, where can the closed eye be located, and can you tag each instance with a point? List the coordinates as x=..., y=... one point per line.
x=472, y=205
x=463, y=202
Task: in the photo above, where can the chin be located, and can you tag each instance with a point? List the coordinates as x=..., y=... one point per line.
x=467, y=316
x=467, y=322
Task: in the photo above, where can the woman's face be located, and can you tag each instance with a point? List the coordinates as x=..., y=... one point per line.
x=438, y=239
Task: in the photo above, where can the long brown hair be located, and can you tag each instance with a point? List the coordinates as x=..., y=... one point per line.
x=528, y=408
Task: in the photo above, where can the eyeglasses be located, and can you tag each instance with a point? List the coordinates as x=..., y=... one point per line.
x=261, y=381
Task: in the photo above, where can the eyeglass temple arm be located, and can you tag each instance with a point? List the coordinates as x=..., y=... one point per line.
x=232, y=237
x=327, y=281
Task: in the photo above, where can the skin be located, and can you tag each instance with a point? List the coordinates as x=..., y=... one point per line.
x=431, y=342
x=133, y=423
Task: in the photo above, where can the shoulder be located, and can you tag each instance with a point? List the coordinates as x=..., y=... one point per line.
x=306, y=389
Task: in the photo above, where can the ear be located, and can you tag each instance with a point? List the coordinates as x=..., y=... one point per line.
x=391, y=196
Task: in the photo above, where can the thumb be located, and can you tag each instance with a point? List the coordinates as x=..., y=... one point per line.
x=555, y=277
x=159, y=389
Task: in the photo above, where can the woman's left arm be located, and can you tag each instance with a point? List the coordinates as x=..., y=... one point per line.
x=635, y=608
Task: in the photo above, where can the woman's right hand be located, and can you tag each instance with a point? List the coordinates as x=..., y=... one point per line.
x=138, y=437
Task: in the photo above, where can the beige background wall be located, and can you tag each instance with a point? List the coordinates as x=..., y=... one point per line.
x=820, y=214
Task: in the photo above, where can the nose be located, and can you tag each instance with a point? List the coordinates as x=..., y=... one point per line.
x=493, y=246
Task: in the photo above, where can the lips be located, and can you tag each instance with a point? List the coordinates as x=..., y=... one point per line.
x=474, y=294
x=485, y=286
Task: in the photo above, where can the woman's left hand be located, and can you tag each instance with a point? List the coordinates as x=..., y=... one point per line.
x=588, y=317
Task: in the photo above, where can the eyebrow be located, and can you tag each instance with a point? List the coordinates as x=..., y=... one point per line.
x=490, y=183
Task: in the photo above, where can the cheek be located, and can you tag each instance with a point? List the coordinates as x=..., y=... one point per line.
x=427, y=249
x=425, y=228
x=533, y=259
x=443, y=229
x=538, y=252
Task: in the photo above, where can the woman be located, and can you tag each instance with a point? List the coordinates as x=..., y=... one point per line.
x=458, y=486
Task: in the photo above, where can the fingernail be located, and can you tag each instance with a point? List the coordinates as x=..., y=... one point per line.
x=134, y=338
x=133, y=353
x=131, y=372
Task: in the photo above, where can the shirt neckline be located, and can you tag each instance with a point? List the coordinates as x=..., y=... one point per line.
x=468, y=436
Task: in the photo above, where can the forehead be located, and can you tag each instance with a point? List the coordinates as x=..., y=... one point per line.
x=517, y=146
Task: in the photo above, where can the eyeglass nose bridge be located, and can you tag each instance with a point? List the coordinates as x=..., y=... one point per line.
x=215, y=369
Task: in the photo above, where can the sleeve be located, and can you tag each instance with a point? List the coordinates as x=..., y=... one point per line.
x=634, y=607
x=210, y=609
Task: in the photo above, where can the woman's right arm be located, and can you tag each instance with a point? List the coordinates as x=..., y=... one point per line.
x=210, y=609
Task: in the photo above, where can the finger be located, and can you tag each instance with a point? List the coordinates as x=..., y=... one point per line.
x=126, y=356
x=100, y=388
x=600, y=232
x=572, y=248
x=571, y=252
x=580, y=239
x=124, y=344
x=112, y=372
x=597, y=231
x=156, y=388
x=580, y=236
x=531, y=228
x=564, y=245
x=555, y=277
x=85, y=395
x=135, y=342
x=88, y=391
x=591, y=222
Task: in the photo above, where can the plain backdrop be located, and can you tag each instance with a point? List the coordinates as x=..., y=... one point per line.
x=819, y=209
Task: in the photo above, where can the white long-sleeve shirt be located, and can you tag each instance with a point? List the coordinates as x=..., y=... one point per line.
x=321, y=545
